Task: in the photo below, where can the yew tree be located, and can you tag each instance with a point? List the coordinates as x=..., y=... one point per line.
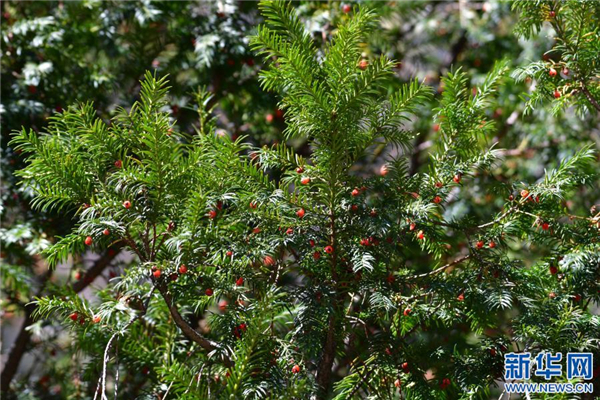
x=260, y=273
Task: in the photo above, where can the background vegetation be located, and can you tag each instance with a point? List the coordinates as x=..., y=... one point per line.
x=537, y=109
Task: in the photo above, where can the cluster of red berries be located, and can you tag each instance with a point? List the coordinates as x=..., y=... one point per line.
x=317, y=254
x=480, y=244
x=157, y=273
x=239, y=329
x=75, y=316
x=445, y=383
x=373, y=241
x=358, y=191
x=526, y=195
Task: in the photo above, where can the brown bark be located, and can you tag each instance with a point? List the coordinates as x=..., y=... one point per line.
x=187, y=330
x=324, y=373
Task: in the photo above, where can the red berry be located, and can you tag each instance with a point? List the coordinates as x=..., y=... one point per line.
x=156, y=273
x=493, y=352
x=278, y=113
x=363, y=64
x=445, y=383
x=407, y=312
x=364, y=242
x=88, y=241
x=329, y=249
x=552, y=14
x=391, y=278
x=461, y=297
x=492, y=244
x=439, y=184
x=577, y=298
x=316, y=255
x=253, y=205
x=552, y=72
x=268, y=261
x=106, y=232
x=305, y=180
x=388, y=351
x=480, y=244
x=355, y=192
x=78, y=275
x=346, y=8
x=212, y=214
x=269, y=118
x=219, y=205
x=223, y=305
x=299, y=170
x=565, y=71
x=74, y=316
x=405, y=367
x=420, y=235
x=436, y=127
x=239, y=281
x=311, y=243
x=383, y=171
x=511, y=197
x=556, y=94
x=295, y=369
x=545, y=226
x=553, y=270
x=552, y=295
x=457, y=178
x=354, y=208
x=397, y=383
x=183, y=269
x=373, y=213
x=96, y=319
x=300, y=213
x=437, y=199
x=412, y=226
x=127, y=204
x=118, y=163
x=209, y=292
x=229, y=253
x=289, y=231
x=256, y=230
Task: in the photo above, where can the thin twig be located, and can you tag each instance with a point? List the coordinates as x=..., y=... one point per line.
x=440, y=269
x=187, y=330
x=108, y=345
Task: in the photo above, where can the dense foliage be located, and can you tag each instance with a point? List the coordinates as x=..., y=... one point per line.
x=387, y=244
